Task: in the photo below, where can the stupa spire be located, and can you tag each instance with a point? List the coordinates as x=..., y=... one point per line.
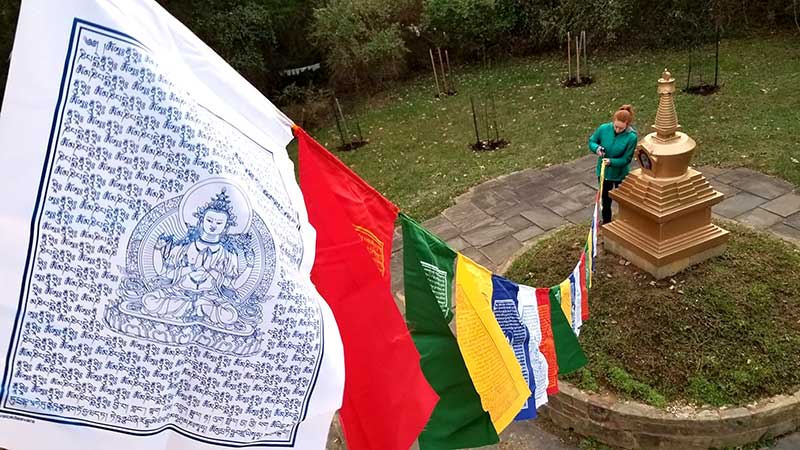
x=666, y=116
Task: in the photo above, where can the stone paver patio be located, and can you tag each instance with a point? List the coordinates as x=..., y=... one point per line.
x=494, y=221
x=497, y=220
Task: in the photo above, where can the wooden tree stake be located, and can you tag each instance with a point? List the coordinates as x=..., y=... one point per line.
x=435, y=77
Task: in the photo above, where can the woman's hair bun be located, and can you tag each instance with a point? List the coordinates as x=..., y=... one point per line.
x=624, y=114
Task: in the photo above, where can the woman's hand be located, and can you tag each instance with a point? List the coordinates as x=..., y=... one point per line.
x=606, y=162
x=601, y=152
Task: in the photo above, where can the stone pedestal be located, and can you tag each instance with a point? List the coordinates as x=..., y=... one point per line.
x=664, y=220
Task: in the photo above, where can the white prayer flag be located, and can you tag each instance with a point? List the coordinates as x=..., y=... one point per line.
x=576, y=297
x=154, y=279
x=529, y=312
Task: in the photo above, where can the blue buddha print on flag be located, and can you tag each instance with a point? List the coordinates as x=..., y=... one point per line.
x=198, y=269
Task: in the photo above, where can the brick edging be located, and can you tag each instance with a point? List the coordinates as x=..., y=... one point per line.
x=630, y=424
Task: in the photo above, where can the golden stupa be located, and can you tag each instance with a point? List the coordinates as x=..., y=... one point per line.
x=664, y=221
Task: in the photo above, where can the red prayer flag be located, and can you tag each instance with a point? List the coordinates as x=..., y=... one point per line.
x=584, y=289
x=387, y=400
x=548, y=345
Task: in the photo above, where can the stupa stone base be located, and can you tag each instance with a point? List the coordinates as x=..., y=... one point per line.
x=666, y=258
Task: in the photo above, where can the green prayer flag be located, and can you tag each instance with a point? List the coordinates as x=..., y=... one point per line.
x=569, y=353
x=459, y=420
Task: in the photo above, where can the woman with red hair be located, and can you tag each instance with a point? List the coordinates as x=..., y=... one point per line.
x=614, y=142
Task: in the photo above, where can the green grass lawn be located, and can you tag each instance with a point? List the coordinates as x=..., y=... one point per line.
x=418, y=154
x=724, y=332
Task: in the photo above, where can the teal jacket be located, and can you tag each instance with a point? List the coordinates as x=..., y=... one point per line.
x=619, y=149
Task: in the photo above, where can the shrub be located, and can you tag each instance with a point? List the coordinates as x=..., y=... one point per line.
x=472, y=24
x=363, y=39
x=543, y=24
x=310, y=106
x=251, y=35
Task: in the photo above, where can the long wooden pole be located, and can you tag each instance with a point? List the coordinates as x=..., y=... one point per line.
x=344, y=122
x=486, y=122
x=447, y=58
x=444, y=75
x=585, y=56
x=494, y=119
x=435, y=77
x=716, y=67
x=360, y=135
x=577, y=59
x=569, y=57
x=338, y=123
x=475, y=120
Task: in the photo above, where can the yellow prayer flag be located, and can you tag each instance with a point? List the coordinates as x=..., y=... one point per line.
x=602, y=176
x=566, y=299
x=490, y=361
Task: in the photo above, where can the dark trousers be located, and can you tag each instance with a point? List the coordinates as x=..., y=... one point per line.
x=608, y=185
